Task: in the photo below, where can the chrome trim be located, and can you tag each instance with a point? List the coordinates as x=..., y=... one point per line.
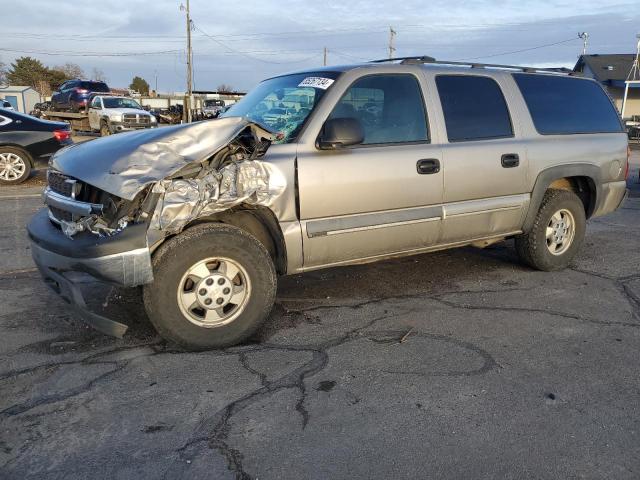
x=367, y=221
x=67, y=204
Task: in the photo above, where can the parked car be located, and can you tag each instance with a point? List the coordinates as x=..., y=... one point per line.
x=74, y=95
x=5, y=104
x=110, y=114
x=205, y=216
x=212, y=108
x=26, y=142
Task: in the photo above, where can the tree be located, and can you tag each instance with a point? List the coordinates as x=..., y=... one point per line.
x=140, y=85
x=27, y=71
x=3, y=73
x=98, y=75
x=224, y=87
x=71, y=70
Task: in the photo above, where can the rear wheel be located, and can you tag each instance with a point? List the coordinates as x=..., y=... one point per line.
x=15, y=166
x=214, y=285
x=557, y=232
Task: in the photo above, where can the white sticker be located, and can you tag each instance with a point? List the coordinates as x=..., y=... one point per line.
x=316, y=82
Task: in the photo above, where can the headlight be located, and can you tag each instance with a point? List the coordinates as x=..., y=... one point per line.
x=153, y=119
x=116, y=117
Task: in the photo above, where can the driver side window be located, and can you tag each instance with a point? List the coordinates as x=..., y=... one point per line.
x=95, y=103
x=390, y=109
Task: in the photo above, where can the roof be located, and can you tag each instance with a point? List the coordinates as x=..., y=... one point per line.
x=15, y=88
x=610, y=69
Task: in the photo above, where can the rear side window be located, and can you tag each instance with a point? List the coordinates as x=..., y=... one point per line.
x=474, y=108
x=95, y=86
x=565, y=105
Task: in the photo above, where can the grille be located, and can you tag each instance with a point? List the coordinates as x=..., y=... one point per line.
x=135, y=119
x=58, y=183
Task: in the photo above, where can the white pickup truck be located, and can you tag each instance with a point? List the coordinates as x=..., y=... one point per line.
x=110, y=114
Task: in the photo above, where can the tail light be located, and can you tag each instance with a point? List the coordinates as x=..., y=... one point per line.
x=82, y=90
x=62, y=135
x=626, y=171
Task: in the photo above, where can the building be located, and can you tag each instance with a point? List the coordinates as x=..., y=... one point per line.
x=612, y=71
x=22, y=98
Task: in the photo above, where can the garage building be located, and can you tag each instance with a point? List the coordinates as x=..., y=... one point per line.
x=22, y=98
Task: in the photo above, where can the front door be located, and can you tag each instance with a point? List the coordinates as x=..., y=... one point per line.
x=378, y=198
x=94, y=113
x=485, y=192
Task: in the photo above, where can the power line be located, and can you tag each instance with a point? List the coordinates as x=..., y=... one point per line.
x=238, y=52
x=518, y=51
x=91, y=54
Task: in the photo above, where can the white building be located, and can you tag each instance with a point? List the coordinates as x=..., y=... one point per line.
x=22, y=98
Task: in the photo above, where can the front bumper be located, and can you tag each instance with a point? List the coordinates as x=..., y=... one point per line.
x=123, y=127
x=122, y=259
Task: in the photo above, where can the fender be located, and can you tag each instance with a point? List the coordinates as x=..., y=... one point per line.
x=546, y=177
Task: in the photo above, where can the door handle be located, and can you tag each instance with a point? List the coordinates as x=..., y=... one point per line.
x=428, y=166
x=510, y=160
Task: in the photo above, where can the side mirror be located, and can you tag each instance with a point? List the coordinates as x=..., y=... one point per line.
x=340, y=132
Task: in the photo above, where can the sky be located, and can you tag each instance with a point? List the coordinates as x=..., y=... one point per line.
x=241, y=43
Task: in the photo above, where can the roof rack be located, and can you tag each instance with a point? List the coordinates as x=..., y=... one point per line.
x=417, y=60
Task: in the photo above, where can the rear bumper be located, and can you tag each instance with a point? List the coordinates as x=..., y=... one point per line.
x=122, y=259
x=611, y=197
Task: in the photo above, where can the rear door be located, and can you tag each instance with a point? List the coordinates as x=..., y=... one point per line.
x=485, y=164
x=372, y=199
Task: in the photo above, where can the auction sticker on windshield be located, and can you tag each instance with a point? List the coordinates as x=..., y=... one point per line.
x=316, y=82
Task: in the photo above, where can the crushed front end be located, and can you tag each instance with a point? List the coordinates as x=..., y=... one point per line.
x=106, y=221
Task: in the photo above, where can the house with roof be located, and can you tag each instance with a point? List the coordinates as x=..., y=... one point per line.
x=21, y=97
x=611, y=70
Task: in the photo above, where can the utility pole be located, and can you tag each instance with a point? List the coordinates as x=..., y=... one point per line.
x=633, y=78
x=392, y=35
x=585, y=41
x=325, y=57
x=155, y=73
x=187, y=106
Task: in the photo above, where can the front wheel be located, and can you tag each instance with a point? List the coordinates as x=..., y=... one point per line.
x=557, y=232
x=214, y=285
x=105, y=131
x=15, y=166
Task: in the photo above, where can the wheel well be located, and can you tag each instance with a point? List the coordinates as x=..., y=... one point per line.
x=22, y=149
x=583, y=187
x=259, y=222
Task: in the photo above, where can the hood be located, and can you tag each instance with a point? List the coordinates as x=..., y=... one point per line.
x=124, y=164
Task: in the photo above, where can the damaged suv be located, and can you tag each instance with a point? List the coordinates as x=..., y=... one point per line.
x=329, y=167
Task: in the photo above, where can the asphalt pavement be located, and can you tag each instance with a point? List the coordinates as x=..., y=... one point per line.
x=457, y=364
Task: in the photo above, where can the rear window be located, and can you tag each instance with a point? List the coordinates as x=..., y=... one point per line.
x=565, y=105
x=95, y=86
x=474, y=108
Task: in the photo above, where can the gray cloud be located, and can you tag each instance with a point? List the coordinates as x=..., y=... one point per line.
x=273, y=36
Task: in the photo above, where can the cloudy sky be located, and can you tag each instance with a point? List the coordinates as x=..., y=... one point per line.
x=239, y=43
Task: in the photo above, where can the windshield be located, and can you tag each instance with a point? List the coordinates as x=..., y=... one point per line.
x=110, y=102
x=284, y=103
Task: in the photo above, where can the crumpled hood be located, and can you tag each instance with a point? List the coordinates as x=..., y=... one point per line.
x=124, y=164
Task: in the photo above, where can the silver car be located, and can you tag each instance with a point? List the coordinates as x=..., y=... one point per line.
x=382, y=160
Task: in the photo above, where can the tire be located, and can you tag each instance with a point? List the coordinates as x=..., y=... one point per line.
x=15, y=166
x=190, y=327
x=562, y=216
x=105, y=131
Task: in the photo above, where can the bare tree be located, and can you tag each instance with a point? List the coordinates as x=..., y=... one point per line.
x=98, y=75
x=224, y=87
x=71, y=70
x=3, y=73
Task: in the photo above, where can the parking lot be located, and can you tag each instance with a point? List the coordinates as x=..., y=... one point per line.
x=459, y=364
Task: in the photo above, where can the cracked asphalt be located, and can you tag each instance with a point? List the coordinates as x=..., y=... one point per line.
x=458, y=364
